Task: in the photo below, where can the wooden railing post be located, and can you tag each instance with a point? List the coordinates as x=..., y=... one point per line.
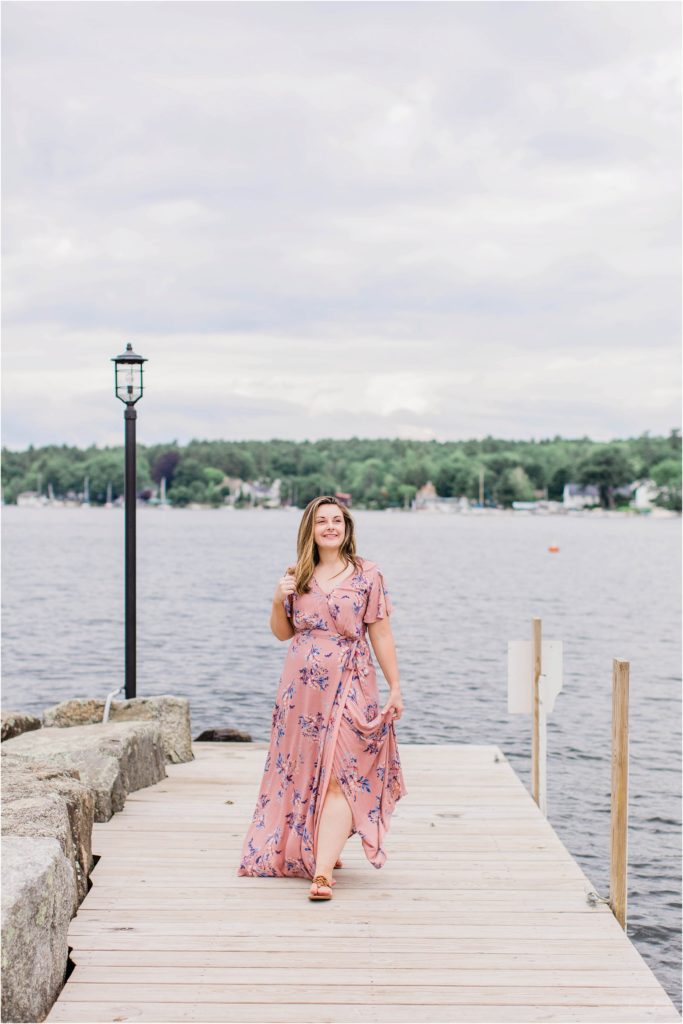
x=535, y=744
x=619, y=796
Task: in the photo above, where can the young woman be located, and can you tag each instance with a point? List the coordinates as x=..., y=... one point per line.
x=332, y=766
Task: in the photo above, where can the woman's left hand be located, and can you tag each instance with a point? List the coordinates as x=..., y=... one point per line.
x=395, y=701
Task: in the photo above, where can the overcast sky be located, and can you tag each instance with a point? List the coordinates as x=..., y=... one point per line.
x=423, y=220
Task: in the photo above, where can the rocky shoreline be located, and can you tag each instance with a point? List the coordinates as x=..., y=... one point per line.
x=58, y=777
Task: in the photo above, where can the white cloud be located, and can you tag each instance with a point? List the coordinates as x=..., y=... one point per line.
x=400, y=219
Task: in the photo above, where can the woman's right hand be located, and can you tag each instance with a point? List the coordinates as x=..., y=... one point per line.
x=286, y=586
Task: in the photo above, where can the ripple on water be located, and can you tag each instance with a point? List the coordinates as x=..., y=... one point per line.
x=462, y=587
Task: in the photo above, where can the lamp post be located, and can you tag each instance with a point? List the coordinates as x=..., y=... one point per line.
x=128, y=388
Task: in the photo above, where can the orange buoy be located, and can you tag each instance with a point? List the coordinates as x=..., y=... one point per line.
x=554, y=547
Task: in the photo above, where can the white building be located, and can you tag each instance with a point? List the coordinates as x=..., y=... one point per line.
x=645, y=494
x=31, y=499
x=268, y=496
x=235, y=484
x=427, y=499
x=578, y=496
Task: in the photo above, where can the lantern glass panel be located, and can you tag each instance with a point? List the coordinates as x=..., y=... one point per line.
x=129, y=381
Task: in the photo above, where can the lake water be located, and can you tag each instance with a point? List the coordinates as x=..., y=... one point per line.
x=462, y=586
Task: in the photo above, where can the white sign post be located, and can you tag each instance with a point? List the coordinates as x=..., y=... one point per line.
x=534, y=681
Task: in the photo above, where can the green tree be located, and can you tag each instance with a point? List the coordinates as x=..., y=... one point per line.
x=368, y=476
x=513, y=485
x=198, y=491
x=213, y=476
x=309, y=487
x=103, y=468
x=107, y=466
x=181, y=496
x=378, y=473
x=285, y=461
x=214, y=495
x=63, y=473
x=607, y=466
x=457, y=477
x=415, y=469
x=537, y=470
x=667, y=475
x=188, y=472
x=407, y=494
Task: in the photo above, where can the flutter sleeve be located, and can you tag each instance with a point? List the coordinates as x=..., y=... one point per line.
x=379, y=603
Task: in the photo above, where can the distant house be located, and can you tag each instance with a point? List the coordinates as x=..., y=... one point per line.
x=625, y=491
x=30, y=499
x=267, y=495
x=270, y=497
x=258, y=494
x=578, y=496
x=427, y=498
x=640, y=494
x=235, y=484
x=343, y=498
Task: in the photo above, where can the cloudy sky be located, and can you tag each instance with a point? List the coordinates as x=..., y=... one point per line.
x=423, y=220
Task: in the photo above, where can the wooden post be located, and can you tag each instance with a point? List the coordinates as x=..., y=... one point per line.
x=535, y=746
x=481, y=487
x=542, y=741
x=619, y=797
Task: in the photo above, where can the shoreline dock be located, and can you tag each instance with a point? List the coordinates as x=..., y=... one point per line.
x=479, y=915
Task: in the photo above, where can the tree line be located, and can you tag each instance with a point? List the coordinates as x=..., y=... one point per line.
x=378, y=473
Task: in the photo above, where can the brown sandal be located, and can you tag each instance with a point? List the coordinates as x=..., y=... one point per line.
x=321, y=880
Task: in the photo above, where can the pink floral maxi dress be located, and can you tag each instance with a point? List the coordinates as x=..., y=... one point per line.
x=326, y=720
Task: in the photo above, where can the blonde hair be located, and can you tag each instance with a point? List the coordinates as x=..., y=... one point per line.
x=307, y=556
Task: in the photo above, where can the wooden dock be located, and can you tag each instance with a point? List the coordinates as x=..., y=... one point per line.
x=480, y=913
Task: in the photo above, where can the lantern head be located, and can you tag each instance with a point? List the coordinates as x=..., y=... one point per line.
x=128, y=375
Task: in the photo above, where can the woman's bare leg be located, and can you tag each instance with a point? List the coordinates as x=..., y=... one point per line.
x=336, y=822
